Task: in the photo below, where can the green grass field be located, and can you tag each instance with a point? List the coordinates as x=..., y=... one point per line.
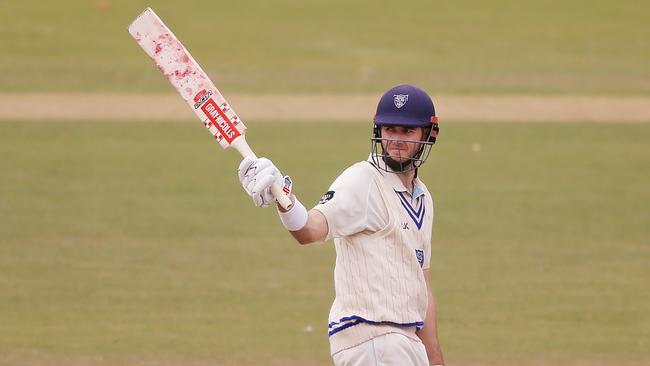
x=134, y=244
x=501, y=46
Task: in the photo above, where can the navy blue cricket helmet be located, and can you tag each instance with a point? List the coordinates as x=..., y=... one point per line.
x=407, y=105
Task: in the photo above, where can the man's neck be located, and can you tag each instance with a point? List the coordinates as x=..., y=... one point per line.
x=407, y=179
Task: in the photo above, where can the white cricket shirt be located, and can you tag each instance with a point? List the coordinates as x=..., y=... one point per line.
x=382, y=237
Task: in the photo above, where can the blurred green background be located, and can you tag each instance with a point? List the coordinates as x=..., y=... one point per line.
x=501, y=46
x=133, y=244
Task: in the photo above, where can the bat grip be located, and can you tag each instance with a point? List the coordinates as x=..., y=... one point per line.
x=241, y=145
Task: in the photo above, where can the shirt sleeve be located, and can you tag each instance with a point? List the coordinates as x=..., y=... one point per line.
x=351, y=204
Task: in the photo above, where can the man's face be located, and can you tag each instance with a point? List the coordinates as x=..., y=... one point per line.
x=401, y=151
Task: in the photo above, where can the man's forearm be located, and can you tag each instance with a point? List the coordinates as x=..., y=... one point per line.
x=314, y=231
x=431, y=344
x=314, y=228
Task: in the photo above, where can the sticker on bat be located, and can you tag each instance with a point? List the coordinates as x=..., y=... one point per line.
x=201, y=97
x=219, y=120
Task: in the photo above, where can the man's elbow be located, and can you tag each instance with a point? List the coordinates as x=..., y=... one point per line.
x=302, y=237
x=304, y=241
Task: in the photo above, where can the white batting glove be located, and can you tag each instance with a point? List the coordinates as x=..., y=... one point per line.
x=257, y=176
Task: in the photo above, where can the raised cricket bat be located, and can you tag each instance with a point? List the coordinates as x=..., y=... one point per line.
x=193, y=84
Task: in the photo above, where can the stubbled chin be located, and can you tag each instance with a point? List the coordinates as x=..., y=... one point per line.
x=399, y=159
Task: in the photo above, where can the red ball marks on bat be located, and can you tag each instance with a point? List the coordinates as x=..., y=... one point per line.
x=185, y=58
x=158, y=48
x=181, y=75
x=171, y=41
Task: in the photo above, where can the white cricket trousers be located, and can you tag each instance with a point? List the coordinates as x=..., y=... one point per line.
x=392, y=349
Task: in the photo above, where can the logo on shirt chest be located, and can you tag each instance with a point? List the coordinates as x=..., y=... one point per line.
x=417, y=215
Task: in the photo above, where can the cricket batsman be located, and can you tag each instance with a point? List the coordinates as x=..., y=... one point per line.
x=380, y=215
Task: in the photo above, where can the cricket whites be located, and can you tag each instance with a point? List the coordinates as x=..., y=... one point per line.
x=193, y=84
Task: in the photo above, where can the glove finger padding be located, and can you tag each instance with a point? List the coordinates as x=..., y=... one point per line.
x=269, y=170
x=245, y=166
x=246, y=172
x=262, y=188
x=262, y=163
x=263, y=184
x=249, y=186
x=257, y=176
x=261, y=191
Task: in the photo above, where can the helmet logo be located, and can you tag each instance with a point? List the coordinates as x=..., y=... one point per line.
x=400, y=100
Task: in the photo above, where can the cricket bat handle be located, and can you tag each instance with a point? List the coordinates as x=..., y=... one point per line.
x=241, y=145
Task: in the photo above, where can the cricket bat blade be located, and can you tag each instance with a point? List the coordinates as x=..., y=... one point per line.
x=194, y=85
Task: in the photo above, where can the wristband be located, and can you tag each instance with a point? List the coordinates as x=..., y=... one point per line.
x=296, y=218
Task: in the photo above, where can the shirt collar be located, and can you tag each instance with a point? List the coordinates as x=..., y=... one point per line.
x=395, y=182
